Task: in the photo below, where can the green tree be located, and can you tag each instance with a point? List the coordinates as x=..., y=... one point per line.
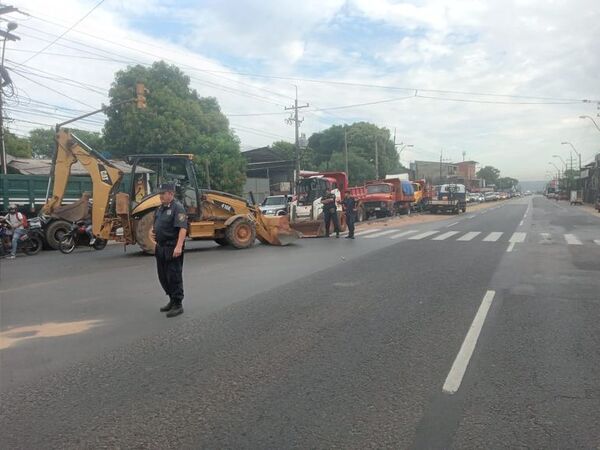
x=16, y=146
x=176, y=120
x=489, y=173
x=506, y=182
x=327, y=147
x=43, y=143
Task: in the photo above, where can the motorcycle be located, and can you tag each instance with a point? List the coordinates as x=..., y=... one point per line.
x=77, y=236
x=30, y=243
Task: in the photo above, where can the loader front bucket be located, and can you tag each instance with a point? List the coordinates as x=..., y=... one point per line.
x=310, y=228
x=275, y=230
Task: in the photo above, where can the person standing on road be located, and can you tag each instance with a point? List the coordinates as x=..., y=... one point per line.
x=330, y=212
x=16, y=221
x=170, y=230
x=349, y=205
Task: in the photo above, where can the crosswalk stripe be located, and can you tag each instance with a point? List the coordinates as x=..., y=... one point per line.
x=597, y=241
x=446, y=235
x=362, y=233
x=572, y=239
x=381, y=233
x=404, y=233
x=493, y=236
x=422, y=235
x=518, y=237
x=469, y=236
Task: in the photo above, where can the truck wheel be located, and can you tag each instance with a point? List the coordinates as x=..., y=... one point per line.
x=222, y=241
x=100, y=244
x=241, y=233
x=55, y=231
x=143, y=234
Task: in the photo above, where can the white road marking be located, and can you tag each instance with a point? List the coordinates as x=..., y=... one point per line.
x=381, y=233
x=492, y=237
x=510, y=247
x=572, y=239
x=404, y=233
x=422, y=235
x=597, y=241
x=446, y=235
x=545, y=235
x=452, y=224
x=362, y=233
x=469, y=236
x=459, y=367
x=521, y=223
x=470, y=217
x=517, y=238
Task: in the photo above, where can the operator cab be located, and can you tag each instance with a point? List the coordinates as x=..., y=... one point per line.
x=150, y=171
x=310, y=189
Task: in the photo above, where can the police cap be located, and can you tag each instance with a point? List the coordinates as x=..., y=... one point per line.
x=167, y=187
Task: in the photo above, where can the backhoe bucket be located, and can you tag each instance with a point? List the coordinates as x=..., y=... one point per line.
x=75, y=211
x=275, y=230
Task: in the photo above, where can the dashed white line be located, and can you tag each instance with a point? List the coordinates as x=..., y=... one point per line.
x=510, y=247
x=470, y=217
x=459, y=367
x=492, y=237
x=362, y=233
x=404, y=233
x=446, y=235
x=381, y=233
x=572, y=239
x=469, y=236
x=521, y=223
x=597, y=241
x=452, y=224
x=517, y=237
x=422, y=235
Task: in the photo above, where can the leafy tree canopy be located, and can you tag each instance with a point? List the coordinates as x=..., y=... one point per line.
x=43, y=143
x=489, y=173
x=176, y=120
x=16, y=146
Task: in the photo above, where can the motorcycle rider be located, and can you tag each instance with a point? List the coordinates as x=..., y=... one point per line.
x=15, y=219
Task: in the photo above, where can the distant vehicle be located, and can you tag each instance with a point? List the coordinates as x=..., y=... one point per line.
x=385, y=198
x=450, y=198
x=276, y=205
x=490, y=196
x=473, y=198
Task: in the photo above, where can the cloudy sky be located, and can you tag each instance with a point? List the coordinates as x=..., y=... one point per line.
x=502, y=81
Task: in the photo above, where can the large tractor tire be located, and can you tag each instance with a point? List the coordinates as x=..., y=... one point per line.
x=143, y=234
x=55, y=231
x=222, y=241
x=241, y=233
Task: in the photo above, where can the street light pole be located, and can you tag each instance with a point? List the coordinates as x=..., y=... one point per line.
x=593, y=121
x=576, y=152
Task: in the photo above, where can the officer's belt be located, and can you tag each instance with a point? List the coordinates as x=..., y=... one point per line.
x=171, y=243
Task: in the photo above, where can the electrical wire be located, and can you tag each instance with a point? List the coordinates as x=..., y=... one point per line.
x=64, y=33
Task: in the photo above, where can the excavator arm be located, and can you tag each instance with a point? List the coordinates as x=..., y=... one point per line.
x=106, y=178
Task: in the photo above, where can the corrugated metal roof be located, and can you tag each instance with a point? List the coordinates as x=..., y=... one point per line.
x=29, y=166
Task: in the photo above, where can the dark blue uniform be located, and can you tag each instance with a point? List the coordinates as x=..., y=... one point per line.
x=329, y=214
x=349, y=204
x=168, y=220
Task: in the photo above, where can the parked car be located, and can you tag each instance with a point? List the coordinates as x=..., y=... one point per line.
x=491, y=196
x=276, y=205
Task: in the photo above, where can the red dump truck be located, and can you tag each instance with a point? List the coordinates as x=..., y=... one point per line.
x=384, y=198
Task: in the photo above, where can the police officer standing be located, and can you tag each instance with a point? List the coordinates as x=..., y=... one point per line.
x=330, y=212
x=170, y=229
x=349, y=205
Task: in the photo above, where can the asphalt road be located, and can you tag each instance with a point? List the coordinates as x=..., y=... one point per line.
x=476, y=331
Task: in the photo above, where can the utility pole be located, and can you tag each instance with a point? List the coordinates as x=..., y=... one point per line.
x=376, y=160
x=441, y=152
x=346, y=151
x=4, y=78
x=294, y=118
x=206, y=167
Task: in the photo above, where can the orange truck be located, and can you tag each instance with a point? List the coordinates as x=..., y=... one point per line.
x=424, y=193
x=385, y=198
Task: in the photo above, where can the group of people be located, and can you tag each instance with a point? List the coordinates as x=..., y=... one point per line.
x=16, y=229
x=349, y=205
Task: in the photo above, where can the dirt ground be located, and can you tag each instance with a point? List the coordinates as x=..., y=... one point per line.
x=417, y=218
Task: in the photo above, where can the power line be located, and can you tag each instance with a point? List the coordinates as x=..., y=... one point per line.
x=54, y=90
x=65, y=32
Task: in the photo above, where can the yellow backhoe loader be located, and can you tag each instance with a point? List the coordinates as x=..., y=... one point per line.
x=128, y=216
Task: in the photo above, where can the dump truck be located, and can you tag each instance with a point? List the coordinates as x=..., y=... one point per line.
x=385, y=198
x=128, y=216
x=450, y=198
x=424, y=193
x=306, y=209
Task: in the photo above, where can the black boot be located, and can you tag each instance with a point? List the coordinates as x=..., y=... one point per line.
x=167, y=307
x=175, y=310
